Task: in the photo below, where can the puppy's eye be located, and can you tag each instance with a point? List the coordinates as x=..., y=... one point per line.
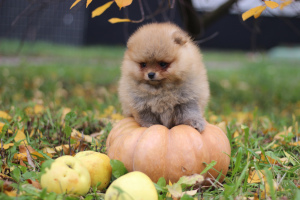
x=163, y=64
x=143, y=65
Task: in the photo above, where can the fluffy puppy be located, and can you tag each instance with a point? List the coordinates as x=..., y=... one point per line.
x=163, y=79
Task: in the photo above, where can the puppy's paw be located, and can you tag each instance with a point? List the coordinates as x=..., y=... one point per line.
x=145, y=124
x=197, y=124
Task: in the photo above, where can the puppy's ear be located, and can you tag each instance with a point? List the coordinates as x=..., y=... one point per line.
x=180, y=37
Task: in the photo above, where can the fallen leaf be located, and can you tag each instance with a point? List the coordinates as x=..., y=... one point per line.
x=280, y=135
x=118, y=20
x=4, y=115
x=34, y=183
x=98, y=11
x=35, y=110
x=6, y=146
x=12, y=193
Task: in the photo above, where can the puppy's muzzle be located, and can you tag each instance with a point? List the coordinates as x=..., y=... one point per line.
x=151, y=75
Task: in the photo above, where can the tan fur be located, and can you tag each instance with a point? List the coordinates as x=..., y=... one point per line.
x=177, y=94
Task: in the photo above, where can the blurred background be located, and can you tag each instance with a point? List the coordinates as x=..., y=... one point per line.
x=54, y=55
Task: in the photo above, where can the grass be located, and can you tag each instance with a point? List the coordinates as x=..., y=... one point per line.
x=254, y=96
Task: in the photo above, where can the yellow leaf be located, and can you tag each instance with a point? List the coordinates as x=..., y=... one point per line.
x=88, y=3
x=37, y=109
x=117, y=116
x=258, y=12
x=98, y=11
x=295, y=143
x=271, y=4
x=6, y=146
x=251, y=12
x=20, y=136
x=255, y=177
x=117, y=20
x=49, y=150
x=222, y=125
x=74, y=4
x=123, y=3
x=12, y=193
x=286, y=3
x=280, y=136
x=4, y=115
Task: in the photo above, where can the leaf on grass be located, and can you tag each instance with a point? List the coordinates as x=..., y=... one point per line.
x=81, y=137
x=255, y=176
x=252, y=12
x=123, y=3
x=271, y=4
x=98, y=11
x=34, y=131
x=4, y=115
x=12, y=193
x=118, y=20
x=35, y=110
x=74, y=4
x=176, y=189
x=65, y=111
x=34, y=183
x=6, y=146
x=286, y=3
x=20, y=136
x=280, y=136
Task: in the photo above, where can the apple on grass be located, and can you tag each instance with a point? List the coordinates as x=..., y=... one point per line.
x=132, y=186
x=98, y=164
x=66, y=175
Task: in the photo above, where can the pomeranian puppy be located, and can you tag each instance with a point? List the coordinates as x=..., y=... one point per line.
x=163, y=79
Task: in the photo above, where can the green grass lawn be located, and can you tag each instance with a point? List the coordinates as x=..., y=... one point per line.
x=254, y=96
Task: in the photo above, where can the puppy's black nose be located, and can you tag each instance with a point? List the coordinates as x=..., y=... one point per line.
x=151, y=75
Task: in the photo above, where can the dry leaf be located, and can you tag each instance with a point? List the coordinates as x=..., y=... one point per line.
x=4, y=115
x=271, y=4
x=34, y=183
x=255, y=177
x=98, y=11
x=12, y=193
x=123, y=3
x=6, y=146
x=36, y=110
x=117, y=20
x=280, y=135
x=222, y=125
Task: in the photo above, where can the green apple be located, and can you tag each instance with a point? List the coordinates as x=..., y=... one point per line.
x=66, y=175
x=98, y=165
x=132, y=186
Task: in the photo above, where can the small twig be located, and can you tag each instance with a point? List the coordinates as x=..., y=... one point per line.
x=142, y=13
x=207, y=38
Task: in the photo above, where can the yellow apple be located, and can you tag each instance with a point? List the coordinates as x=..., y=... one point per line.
x=98, y=165
x=132, y=186
x=66, y=175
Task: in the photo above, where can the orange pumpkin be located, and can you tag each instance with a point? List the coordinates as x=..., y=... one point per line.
x=170, y=153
